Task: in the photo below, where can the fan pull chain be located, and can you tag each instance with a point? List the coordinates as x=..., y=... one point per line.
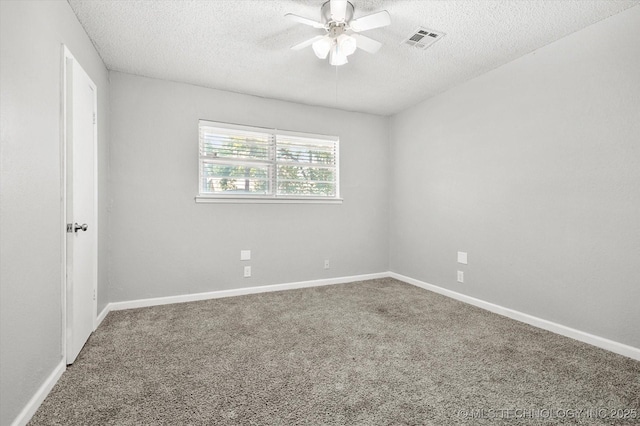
x=336, y=86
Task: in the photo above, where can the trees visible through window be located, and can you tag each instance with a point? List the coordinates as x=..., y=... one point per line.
x=241, y=161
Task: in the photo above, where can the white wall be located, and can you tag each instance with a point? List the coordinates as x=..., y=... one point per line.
x=534, y=170
x=162, y=243
x=31, y=35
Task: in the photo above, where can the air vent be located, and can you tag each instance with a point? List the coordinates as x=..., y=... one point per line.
x=423, y=38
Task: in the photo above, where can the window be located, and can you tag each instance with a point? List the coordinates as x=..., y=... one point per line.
x=256, y=164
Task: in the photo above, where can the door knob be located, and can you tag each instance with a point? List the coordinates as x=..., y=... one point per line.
x=77, y=227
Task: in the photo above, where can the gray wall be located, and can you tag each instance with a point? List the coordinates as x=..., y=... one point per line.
x=533, y=169
x=31, y=34
x=162, y=243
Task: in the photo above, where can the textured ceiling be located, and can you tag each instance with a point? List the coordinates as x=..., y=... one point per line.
x=243, y=45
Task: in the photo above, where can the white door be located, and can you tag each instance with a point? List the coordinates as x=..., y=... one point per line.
x=81, y=211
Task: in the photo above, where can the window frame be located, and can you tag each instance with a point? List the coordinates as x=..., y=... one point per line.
x=273, y=163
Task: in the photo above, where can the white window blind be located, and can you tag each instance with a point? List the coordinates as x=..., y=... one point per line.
x=256, y=163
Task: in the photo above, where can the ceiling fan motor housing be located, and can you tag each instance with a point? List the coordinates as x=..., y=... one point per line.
x=336, y=29
x=326, y=13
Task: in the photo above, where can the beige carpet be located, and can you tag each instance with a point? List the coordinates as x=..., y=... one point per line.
x=377, y=352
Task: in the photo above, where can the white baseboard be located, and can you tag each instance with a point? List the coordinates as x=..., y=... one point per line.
x=32, y=406
x=582, y=336
x=102, y=315
x=141, y=303
x=601, y=342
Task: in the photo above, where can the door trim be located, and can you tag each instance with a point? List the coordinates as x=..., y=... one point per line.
x=65, y=292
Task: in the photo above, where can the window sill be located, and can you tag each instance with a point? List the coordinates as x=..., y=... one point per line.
x=265, y=200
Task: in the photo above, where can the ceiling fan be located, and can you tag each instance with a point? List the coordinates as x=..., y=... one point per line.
x=342, y=31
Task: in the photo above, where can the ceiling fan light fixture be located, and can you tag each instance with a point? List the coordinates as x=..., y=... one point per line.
x=346, y=44
x=322, y=47
x=336, y=57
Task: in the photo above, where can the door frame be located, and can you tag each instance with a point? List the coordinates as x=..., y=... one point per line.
x=67, y=293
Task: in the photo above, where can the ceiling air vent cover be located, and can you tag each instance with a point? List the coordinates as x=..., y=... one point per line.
x=423, y=38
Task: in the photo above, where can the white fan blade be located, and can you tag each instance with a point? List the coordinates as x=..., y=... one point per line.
x=367, y=44
x=307, y=43
x=369, y=22
x=338, y=10
x=303, y=20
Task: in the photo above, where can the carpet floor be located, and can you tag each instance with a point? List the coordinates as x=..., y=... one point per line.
x=377, y=352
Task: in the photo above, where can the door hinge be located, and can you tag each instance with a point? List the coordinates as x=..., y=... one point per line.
x=94, y=294
x=94, y=118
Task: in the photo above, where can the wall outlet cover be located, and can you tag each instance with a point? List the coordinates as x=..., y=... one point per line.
x=245, y=254
x=462, y=257
x=460, y=276
x=247, y=271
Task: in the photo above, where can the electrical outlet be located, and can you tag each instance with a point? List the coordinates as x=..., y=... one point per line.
x=460, y=276
x=462, y=257
x=245, y=254
x=247, y=271
x=326, y=264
